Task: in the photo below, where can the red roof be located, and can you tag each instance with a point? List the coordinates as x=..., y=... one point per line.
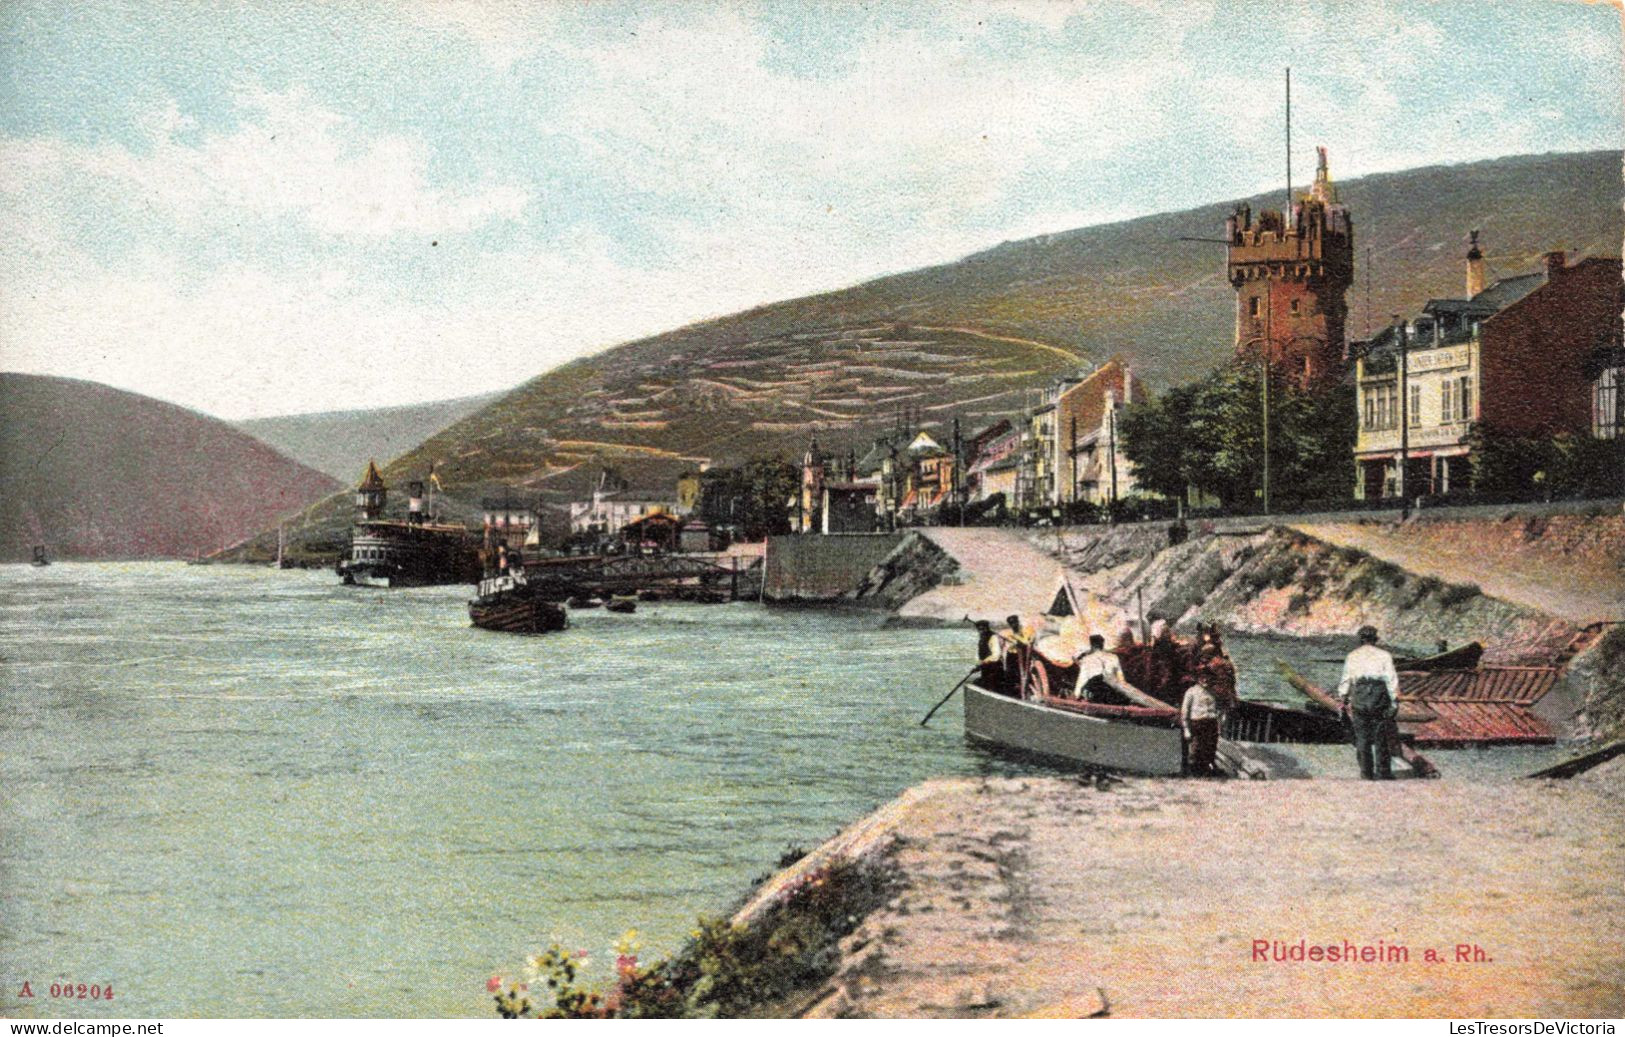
x=1487, y=705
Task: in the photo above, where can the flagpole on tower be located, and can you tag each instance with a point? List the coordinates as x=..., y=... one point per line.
x=1289, y=142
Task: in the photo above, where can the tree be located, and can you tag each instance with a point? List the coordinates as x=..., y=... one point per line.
x=1508, y=466
x=1209, y=434
x=752, y=497
x=1154, y=439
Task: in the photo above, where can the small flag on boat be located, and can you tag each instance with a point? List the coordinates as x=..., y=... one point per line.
x=434, y=480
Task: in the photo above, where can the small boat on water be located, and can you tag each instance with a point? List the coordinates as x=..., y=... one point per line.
x=622, y=603
x=582, y=601
x=39, y=556
x=1464, y=658
x=1137, y=739
x=508, y=603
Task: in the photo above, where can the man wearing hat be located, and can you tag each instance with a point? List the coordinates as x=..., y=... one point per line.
x=1199, y=716
x=1370, y=693
x=988, y=657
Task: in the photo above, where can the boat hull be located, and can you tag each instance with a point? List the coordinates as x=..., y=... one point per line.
x=1075, y=737
x=517, y=612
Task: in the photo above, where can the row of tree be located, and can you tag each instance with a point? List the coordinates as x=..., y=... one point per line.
x=1208, y=436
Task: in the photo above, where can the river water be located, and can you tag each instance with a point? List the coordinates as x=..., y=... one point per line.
x=228, y=791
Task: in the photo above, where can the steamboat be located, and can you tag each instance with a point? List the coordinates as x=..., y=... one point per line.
x=416, y=552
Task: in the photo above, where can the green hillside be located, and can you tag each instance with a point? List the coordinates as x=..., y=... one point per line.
x=968, y=338
x=340, y=443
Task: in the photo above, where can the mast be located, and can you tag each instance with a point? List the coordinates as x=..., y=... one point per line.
x=1289, y=142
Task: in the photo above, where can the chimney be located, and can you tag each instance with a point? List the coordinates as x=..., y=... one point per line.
x=414, y=503
x=1554, y=263
x=1128, y=384
x=1475, y=266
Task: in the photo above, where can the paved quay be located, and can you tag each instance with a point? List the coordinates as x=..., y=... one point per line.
x=1058, y=897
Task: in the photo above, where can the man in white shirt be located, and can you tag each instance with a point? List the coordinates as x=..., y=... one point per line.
x=1097, y=669
x=1370, y=693
x=1199, y=716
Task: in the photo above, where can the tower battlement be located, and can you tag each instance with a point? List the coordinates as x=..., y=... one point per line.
x=1291, y=272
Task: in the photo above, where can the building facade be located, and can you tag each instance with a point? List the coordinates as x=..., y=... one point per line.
x=1533, y=356
x=511, y=521
x=609, y=510
x=1070, y=450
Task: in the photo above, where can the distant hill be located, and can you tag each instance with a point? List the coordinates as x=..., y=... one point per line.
x=969, y=338
x=94, y=472
x=341, y=443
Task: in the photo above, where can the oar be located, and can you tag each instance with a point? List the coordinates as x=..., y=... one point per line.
x=973, y=671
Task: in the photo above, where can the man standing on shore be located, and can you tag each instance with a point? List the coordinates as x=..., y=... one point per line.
x=1199, y=716
x=1370, y=693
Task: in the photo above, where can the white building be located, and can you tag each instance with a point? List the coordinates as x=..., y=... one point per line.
x=609, y=510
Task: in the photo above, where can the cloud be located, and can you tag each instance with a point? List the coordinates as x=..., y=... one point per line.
x=287, y=158
x=504, y=32
x=623, y=169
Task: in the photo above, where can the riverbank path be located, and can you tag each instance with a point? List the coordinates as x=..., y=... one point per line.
x=1000, y=574
x=1051, y=897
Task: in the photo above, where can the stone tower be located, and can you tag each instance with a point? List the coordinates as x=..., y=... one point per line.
x=1290, y=277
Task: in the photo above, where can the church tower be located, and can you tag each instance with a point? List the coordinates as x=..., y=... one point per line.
x=1291, y=274
x=810, y=518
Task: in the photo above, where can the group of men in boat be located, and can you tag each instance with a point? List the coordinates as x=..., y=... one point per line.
x=1198, y=679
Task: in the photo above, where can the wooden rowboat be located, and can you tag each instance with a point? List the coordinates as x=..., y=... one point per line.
x=1464, y=658
x=1134, y=739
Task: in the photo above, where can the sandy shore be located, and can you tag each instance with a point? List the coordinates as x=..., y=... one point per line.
x=1055, y=897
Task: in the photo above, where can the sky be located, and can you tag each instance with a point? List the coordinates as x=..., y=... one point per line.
x=259, y=208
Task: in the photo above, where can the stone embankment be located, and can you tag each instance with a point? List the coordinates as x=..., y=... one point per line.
x=1277, y=580
x=1056, y=897
x=1534, y=589
x=1531, y=588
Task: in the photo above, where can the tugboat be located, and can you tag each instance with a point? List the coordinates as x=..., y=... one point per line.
x=512, y=604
